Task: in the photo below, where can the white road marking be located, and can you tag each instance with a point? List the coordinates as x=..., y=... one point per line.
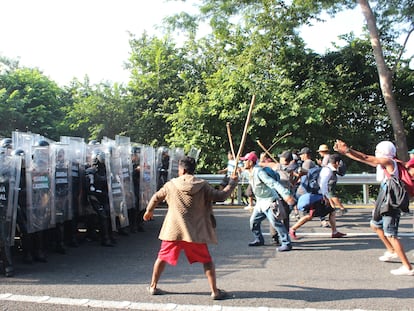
x=128, y=305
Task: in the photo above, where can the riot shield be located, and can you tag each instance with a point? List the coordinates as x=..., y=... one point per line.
x=136, y=173
x=24, y=140
x=9, y=184
x=39, y=191
x=77, y=163
x=124, y=147
x=148, y=184
x=175, y=155
x=119, y=212
x=162, y=162
x=194, y=153
x=61, y=183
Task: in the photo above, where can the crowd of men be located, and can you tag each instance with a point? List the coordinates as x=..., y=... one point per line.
x=55, y=194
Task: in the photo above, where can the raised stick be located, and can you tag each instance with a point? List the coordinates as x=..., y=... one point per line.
x=230, y=140
x=246, y=125
x=279, y=139
x=266, y=151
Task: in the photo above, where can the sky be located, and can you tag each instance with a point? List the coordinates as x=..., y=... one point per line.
x=67, y=39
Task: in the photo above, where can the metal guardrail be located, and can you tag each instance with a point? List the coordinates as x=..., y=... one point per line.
x=363, y=179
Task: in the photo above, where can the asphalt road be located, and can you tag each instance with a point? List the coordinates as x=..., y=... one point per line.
x=319, y=273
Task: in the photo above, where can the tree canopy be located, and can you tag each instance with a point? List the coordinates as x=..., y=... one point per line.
x=183, y=92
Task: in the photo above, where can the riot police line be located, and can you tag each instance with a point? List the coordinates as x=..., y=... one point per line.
x=54, y=193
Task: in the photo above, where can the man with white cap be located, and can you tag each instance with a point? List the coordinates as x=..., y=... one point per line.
x=266, y=190
x=387, y=227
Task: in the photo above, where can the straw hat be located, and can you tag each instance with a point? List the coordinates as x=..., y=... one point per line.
x=323, y=147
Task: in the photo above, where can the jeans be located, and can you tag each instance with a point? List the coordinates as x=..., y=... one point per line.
x=256, y=219
x=389, y=224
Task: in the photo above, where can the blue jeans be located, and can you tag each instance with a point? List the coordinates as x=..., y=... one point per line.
x=389, y=224
x=256, y=219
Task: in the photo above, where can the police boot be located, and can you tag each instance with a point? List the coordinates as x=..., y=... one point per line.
x=39, y=247
x=105, y=238
x=27, y=248
x=7, y=261
x=58, y=239
x=71, y=232
x=132, y=217
x=140, y=220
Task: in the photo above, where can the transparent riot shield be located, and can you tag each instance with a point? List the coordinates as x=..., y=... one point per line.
x=194, y=153
x=61, y=182
x=162, y=162
x=9, y=183
x=148, y=184
x=124, y=147
x=175, y=155
x=24, y=140
x=136, y=173
x=39, y=191
x=119, y=212
x=77, y=160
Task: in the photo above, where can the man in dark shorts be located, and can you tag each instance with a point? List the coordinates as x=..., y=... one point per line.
x=317, y=204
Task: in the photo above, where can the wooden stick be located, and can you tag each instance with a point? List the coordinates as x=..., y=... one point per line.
x=246, y=125
x=266, y=151
x=279, y=139
x=230, y=140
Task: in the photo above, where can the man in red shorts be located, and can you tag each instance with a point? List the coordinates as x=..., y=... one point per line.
x=189, y=224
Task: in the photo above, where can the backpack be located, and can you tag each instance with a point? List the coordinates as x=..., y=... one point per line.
x=310, y=180
x=341, y=170
x=392, y=199
x=405, y=176
x=275, y=175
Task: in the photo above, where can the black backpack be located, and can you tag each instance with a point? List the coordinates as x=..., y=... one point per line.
x=341, y=170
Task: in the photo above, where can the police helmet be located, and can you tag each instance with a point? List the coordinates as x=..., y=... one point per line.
x=6, y=143
x=135, y=150
x=42, y=143
x=98, y=157
x=18, y=152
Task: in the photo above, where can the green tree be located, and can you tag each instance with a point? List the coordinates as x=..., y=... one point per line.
x=256, y=49
x=156, y=85
x=96, y=111
x=31, y=102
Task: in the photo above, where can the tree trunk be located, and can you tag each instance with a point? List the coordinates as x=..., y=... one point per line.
x=385, y=78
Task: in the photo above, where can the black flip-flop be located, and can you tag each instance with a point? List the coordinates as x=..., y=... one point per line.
x=220, y=296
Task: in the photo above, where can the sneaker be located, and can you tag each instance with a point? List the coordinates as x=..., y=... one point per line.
x=256, y=243
x=284, y=248
x=338, y=234
x=248, y=208
x=293, y=235
x=388, y=256
x=403, y=270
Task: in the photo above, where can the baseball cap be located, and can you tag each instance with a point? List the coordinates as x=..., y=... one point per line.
x=250, y=156
x=287, y=155
x=411, y=151
x=305, y=150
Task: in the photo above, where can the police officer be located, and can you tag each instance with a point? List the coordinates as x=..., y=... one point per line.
x=5, y=204
x=136, y=214
x=97, y=193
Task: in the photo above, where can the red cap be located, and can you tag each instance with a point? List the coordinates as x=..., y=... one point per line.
x=250, y=156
